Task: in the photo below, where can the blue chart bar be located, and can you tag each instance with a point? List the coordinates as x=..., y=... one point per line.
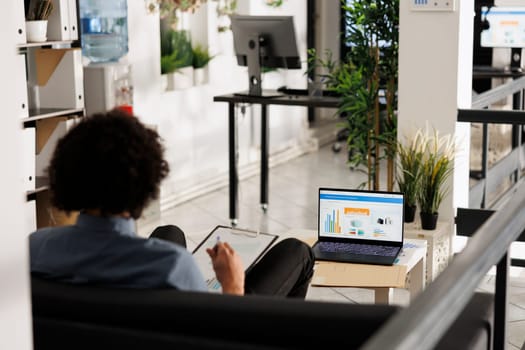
x=331, y=222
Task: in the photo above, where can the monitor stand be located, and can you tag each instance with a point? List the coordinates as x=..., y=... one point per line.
x=255, y=45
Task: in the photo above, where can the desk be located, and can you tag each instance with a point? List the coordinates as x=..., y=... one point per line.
x=286, y=100
x=407, y=272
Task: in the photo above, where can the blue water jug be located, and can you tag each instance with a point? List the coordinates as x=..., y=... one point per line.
x=104, y=29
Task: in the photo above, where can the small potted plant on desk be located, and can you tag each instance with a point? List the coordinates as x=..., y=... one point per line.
x=437, y=166
x=201, y=58
x=36, y=20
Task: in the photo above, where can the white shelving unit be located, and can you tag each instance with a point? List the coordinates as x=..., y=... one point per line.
x=33, y=118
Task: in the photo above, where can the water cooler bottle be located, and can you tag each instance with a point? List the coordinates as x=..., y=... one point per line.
x=104, y=33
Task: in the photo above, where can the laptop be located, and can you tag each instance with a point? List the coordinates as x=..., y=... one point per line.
x=359, y=226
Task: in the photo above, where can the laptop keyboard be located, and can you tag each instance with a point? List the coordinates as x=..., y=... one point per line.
x=366, y=249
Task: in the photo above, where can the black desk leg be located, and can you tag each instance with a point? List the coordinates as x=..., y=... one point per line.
x=500, y=303
x=234, y=179
x=264, y=157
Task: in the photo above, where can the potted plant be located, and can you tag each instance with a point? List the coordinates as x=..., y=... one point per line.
x=366, y=80
x=410, y=155
x=201, y=58
x=436, y=168
x=177, y=59
x=36, y=20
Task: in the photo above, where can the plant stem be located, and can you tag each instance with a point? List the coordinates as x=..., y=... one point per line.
x=377, y=129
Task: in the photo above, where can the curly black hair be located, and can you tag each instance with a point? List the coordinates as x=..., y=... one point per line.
x=110, y=162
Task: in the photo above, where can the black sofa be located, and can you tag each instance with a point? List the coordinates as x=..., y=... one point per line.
x=90, y=317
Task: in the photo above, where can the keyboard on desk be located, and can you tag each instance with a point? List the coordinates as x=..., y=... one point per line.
x=353, y=248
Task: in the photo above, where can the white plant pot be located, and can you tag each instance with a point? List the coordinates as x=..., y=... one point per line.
x=164, y=82
x=226, y=43
x=200, y=76
x=181, y=79
x=36, y=31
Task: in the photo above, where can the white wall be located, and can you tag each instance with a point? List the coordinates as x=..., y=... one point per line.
x=15, y=308
x=193, y=126
x=435, y=79
x=328, y=21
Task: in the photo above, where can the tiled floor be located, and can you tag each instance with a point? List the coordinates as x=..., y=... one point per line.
x=293, y=204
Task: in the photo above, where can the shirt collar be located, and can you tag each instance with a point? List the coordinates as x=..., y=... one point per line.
x=124, y=226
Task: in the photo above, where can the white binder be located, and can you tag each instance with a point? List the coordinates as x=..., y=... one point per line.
x=21, y=87
x=28, y=158
x=73, y=20
x=19, y=31
x=59, y=77
x=62, y=24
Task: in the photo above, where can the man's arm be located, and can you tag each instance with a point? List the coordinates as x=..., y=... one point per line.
x=228, y=268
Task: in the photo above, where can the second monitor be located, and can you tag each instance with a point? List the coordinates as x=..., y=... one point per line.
x=264, y=41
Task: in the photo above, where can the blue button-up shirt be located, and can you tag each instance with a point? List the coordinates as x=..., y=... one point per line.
x=107, y=251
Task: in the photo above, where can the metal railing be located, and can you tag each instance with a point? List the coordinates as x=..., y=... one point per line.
x=430, y=315
x=422, y=324
x=490, y=180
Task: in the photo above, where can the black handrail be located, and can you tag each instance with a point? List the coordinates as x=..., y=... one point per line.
x=480, y=193
x=490, y=116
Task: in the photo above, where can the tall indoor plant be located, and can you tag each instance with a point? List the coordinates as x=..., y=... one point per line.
x=366, y=79
x=372, y=34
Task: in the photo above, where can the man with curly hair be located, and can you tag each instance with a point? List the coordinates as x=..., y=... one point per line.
x=108, y=167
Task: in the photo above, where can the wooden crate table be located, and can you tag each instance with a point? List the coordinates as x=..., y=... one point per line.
x=438, y=246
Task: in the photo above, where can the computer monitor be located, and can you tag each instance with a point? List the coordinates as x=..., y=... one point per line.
x=506, y=27
x=264, y=41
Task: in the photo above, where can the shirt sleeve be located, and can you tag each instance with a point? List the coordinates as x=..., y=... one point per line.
x=185, y=274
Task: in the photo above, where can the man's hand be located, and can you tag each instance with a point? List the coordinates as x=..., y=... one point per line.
x=228, y=268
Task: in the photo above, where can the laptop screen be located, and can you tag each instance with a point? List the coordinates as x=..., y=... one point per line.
x=367, y=215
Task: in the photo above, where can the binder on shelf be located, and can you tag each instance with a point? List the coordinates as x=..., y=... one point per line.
x=19, y=30
x=29, y=217
x=28, y=159
x=73, y=20
x=62, y=23
x=20, y=87
x=58, y=77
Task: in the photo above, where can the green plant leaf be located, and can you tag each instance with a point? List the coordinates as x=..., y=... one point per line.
x=201, y=56
x=370, y=66
x=176, y=50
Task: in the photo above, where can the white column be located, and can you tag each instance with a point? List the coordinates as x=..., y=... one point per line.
x=15, y=307
x=435, y=79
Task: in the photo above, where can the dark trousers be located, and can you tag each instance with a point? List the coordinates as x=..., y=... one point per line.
x=285, y=270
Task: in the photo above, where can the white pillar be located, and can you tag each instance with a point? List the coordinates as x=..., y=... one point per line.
x=435, y=79
x=15, y=306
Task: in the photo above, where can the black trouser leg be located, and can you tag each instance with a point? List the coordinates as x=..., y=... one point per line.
x=170, y=233
x=285, y=270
